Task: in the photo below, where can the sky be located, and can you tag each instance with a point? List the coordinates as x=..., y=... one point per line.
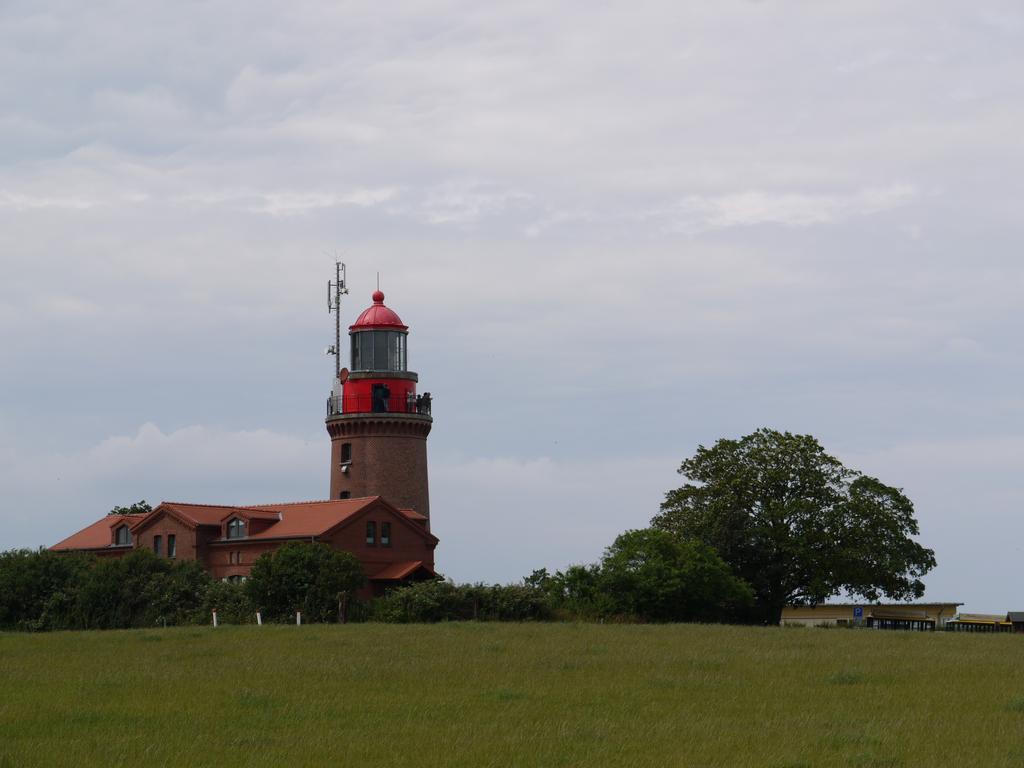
x=617, y=231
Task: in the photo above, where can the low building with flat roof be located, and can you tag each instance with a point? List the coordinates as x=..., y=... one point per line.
x=906, y=616
x=979, y=622
x=1016, y=620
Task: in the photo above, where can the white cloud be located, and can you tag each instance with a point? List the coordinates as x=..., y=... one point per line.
x=23, y=202
x=636, y=226
x=501, y=518
x=699, y=213
x=463, y=203
x=49, y=496
x=291, y=203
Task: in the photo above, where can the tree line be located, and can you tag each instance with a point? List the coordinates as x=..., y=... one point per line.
x=762, y=521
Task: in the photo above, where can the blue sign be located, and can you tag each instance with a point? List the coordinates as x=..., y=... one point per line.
x=858, y=612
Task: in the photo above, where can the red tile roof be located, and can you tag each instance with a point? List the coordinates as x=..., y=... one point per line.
x=412, y=514
x=398, y=571
x=309, y=518
x=289, y=520
x=97, y=535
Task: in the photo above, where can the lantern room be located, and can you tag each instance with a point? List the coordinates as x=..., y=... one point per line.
x=378, y=339
x=378, y=380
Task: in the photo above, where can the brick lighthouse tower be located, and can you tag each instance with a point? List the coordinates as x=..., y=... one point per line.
x=377, y=422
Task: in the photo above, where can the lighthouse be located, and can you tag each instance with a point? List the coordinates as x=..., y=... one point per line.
x=377, y=420
x=378, y=509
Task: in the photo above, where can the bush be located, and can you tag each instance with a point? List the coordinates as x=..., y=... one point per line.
x=37, y=587
x=648, y=575
x=304, y=576
x=437, y=600
x=176, y=595
x=137, y=590
x=45, y=590
x=230, y=600
x=653, y=576
x=576, y=593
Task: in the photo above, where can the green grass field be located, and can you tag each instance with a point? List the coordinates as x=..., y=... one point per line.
x=510, y=695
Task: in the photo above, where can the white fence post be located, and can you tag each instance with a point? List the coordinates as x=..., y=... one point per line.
x=215, y=618
x=259, y=619
x=298, y=618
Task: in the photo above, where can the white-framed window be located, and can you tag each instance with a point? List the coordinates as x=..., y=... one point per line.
x=236, y=528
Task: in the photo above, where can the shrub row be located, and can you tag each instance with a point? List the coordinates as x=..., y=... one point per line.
x=430, y=601
x=46, y=591
x=645, y=575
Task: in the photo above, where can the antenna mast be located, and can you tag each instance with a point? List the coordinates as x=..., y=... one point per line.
x=335, y=290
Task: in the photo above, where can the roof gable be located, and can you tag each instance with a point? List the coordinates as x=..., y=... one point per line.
x=189, y=515
x=98, y=534
x=379, y=502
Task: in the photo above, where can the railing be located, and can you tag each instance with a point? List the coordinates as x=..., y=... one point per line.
x=420, y=404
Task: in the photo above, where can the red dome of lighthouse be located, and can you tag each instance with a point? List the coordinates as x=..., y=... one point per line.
x=378, y=316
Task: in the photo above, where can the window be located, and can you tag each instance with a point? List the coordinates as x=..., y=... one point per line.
x=385, y=534
x=158, y=542
x=396, y=352
x=371, y=533
x=172, y=550
x=236, y=528
x=346, y=453
x=345, y=495
x=122, y=536
x=378, y=351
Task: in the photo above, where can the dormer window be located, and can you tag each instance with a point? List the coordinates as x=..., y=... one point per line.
x=122, y=536
x=236, y=528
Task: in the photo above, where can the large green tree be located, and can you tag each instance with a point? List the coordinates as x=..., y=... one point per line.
x=304, y=576
x=138, y=508
x=795, y=523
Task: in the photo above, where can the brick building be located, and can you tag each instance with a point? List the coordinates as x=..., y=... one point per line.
x=378, y=507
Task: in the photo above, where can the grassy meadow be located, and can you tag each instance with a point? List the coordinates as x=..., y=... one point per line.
x=478, y=695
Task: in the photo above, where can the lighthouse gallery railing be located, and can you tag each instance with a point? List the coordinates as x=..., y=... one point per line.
x=419, y=405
